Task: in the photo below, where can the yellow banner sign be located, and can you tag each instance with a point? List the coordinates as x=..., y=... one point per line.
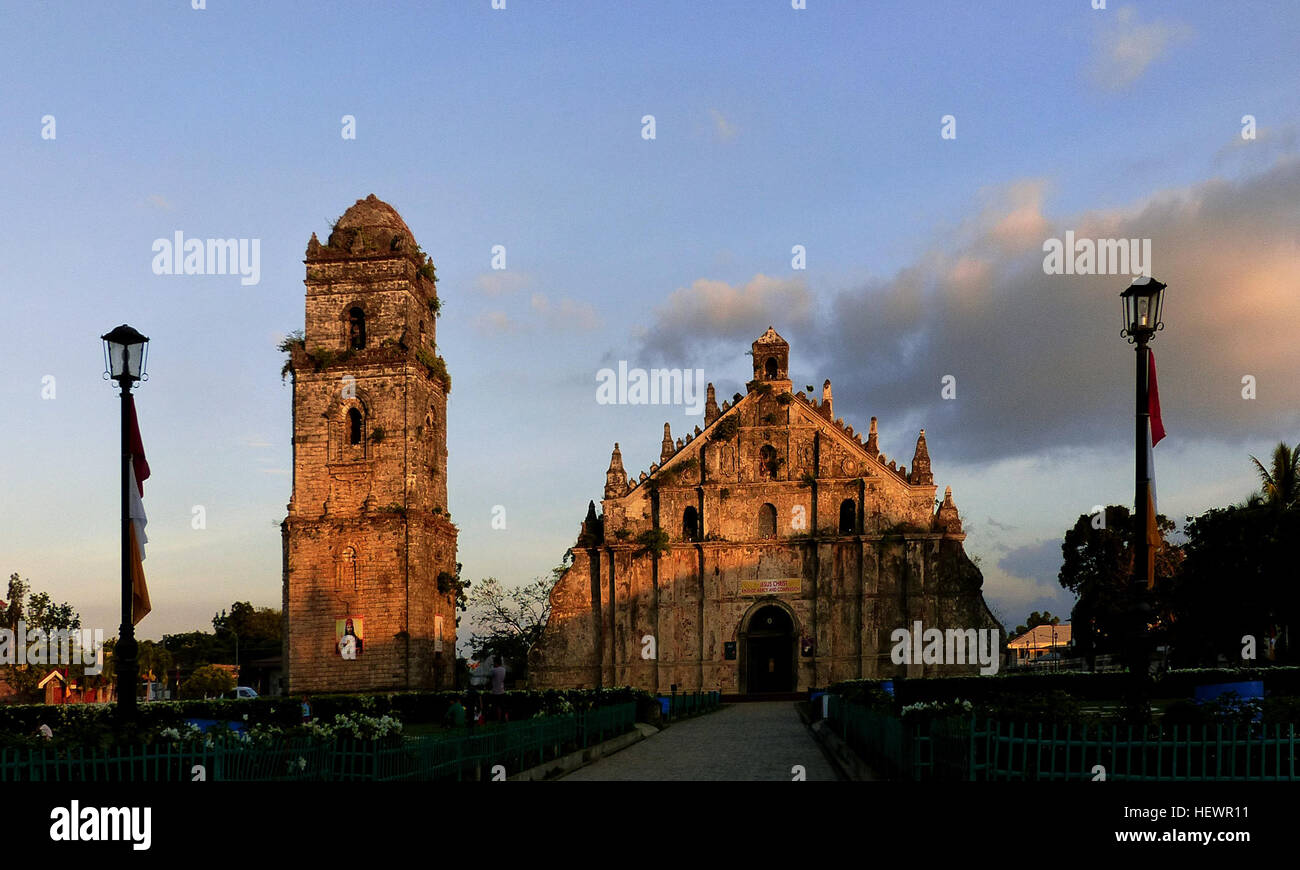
x=778, y=586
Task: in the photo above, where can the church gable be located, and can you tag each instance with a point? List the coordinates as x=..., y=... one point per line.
x=772, y=550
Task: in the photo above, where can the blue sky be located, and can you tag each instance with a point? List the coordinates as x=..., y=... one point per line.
x=522, y=127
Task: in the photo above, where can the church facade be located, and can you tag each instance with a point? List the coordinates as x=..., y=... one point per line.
x=369, y=582
x=773, y=550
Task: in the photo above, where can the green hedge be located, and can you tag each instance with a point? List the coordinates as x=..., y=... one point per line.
x=93, y=724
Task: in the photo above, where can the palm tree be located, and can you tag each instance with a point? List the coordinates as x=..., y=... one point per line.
x=1281, y=481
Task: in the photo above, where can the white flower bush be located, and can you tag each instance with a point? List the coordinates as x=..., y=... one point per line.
x=927, y=709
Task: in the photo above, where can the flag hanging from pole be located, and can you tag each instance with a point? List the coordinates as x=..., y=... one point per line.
x=1155, y=432
x=1153, y=401
x=139, y=473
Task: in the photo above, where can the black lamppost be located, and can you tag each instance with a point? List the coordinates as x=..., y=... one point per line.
x=1142, y=302
x=125, y=351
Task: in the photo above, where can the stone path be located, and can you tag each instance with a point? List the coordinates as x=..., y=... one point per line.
x=749, y=741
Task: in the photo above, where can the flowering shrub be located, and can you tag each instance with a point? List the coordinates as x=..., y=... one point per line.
x=936, y=709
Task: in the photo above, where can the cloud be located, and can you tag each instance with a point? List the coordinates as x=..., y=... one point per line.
x=1126, y=47
x=495, y=323
x=561, y=315
x=157, y=201
x=1025, y=579
x=566, y=313
x=1256, y=154
x=1039, y=366
x=723, y=129
x=1037, y=359
x=710, y=313
x=1038, y=561
x=501, y=282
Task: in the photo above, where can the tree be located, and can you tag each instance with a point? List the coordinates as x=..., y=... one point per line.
x=1098, y=568
x=1280, y=482
x=1238, y=580
x=512, y=620
x=1036, y=619
x=258, y=630
x=207, y=681
x=35, y=610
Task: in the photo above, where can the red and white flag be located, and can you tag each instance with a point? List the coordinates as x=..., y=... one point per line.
x=139, y=473
x=1155, y=432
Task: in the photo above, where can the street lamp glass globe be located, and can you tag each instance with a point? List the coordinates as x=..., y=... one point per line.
x=124, y=351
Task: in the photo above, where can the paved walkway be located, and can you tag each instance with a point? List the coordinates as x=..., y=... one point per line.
x=749, y=741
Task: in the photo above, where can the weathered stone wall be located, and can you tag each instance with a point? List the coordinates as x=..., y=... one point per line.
x=848, y=584
x=368, y=532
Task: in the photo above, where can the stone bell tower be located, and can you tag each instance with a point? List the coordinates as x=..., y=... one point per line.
x=369, y=547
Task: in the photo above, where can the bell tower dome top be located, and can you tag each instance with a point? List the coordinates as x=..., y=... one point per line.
x=371, y=226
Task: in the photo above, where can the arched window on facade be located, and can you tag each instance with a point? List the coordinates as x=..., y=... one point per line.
x=354, y=426
x=767, y=521
x=346, y=576
x=356, y=329
x=769, y=368
x=848, y=516
x=767, y=463
x=690, y=524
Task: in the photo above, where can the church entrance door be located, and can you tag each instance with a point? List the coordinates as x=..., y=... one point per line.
x=769, y=652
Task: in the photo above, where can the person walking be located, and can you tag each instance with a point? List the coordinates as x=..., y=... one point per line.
x=499, y=690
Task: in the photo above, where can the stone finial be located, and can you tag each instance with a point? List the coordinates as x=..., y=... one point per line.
x=592, y=532
x=725, y=406
x=946, y=519
x=902, y=470
x=313, y=246
x=642, y=478
x=615, y=475
x=711, y=411
x=697, y=430
x=680, y=443
x=873, y=446
x=826, y=397
x=921, y=475
x=666, y=449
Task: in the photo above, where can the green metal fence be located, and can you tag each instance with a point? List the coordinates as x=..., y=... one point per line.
x=515, y=746
x=966, y=749
x=1254, y=752
x=686, y=704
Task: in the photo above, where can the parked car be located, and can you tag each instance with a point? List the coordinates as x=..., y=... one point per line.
x=240, y=693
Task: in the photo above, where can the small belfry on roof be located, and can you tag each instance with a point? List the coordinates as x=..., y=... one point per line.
x=616, y=481
x=921, y=475
x=946, y=519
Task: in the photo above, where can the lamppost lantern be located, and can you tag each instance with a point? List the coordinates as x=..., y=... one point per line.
x=125, y=354
x=1142, y=301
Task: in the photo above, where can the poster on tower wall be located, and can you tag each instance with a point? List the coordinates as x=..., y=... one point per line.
x=349, y=637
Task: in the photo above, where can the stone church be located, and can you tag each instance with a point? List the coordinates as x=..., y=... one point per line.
x=369, y=547
x=772, y=551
